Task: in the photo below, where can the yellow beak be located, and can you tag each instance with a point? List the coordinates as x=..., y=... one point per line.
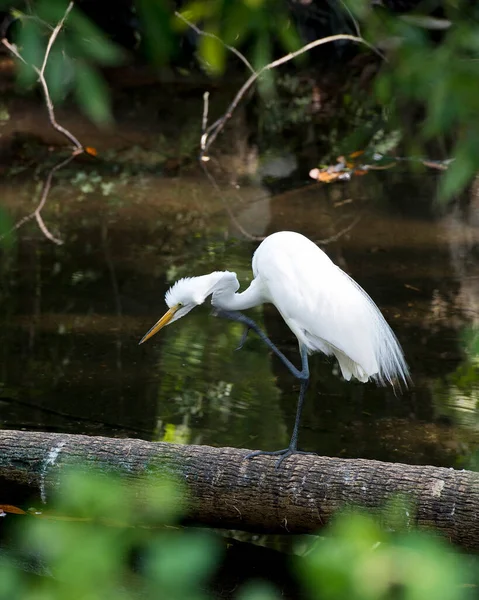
x=165, y=319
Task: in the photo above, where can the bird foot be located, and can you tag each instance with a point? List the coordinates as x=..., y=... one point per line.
x=283, y=454
x=243, y=337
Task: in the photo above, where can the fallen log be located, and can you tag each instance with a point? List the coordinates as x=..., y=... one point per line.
x=230, y=492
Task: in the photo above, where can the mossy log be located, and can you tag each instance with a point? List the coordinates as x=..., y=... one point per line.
x=230, y=492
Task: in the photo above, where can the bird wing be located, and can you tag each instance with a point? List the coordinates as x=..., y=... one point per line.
x=326, y=309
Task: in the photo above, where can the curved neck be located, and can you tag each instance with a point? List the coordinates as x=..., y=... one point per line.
x=229, y=300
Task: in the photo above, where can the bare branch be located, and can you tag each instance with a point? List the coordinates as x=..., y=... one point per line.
x=13, y=50
x=215, y=37
x=41, y=76
x=218, y=126
x=36, y=214
x=44, y=196
x=54, y=35
x=351, y=16
x=204, y=121
x=51, y=113
x=231, y=214
x=336, y=236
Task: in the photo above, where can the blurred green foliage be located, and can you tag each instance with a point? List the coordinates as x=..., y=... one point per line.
x=89, y=547
x=111, y=538
x=260, y=22
x=359, y=561
x=431, y=57
x=432, y=70
x=81, y=48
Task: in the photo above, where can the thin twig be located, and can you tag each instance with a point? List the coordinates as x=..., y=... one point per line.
x=36, y=214
x=336, y=236
x=215, y=37
x=54, y=35
x=41, y=76
x=204, y=122
x=231, y=215
x=44, y=196
x=351, y=16
x=51, y=114
x=218, y=126
x=13, y=50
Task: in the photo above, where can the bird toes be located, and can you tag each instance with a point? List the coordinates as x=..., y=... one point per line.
x=283, y=454
x=243, y=338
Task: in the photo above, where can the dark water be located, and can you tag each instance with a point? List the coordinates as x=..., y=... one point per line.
x=72, y=316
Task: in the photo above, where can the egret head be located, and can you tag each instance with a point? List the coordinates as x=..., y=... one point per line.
x=189, y=292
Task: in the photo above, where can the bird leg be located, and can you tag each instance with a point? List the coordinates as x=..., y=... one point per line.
x=293, y=444
x=302, y=375
x=243, y=337
x=233, y=315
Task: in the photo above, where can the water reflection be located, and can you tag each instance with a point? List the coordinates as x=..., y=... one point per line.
x=72, y=317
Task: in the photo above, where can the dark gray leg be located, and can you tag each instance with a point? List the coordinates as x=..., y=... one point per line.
x=250, y=324
x=302, y=375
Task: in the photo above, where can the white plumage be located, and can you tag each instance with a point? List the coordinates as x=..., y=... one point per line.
x=326, y=309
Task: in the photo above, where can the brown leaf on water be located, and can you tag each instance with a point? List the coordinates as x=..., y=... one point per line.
x=14, y=510
x=350, y=159
x=328, y=174
x=356, y=153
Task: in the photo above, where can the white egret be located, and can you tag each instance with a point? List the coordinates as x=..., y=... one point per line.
x=326, y=310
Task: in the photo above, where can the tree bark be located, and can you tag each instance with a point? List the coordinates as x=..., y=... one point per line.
x=228, y=491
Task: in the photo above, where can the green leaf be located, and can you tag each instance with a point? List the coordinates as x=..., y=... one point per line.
x=254, y=4
x=32, y=49
x=238, y=24
x=84, y=38
x=258, y=590
x=182, y=562
x=156, y=21
x=212, y=51
x=359, y=8
x=92, y=94
x=12, y=583
x=262, y=54
x=89, y=41
x=51, y=11
x=194, y=11
x=463, y=168
x=59, y=74
x=288, y=36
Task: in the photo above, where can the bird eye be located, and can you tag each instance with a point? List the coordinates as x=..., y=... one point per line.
x=180, y=304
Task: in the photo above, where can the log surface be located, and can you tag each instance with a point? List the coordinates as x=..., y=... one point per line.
x=228, y=491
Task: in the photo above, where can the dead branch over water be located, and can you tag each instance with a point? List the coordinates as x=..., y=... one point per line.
x=228, y=491
x=78, y=147
x=37, y=213
x=41, y=76
x=217, y=127
x=210, y=133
